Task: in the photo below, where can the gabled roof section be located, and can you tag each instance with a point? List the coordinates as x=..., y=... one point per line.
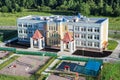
x=67, y=38
x=37, y=35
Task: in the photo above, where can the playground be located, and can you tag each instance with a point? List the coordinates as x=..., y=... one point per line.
x=25, y=65
x=90, y=68
x=3, y=54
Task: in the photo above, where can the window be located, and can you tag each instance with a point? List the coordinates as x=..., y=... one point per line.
x=25, y=31
x=20, y=31
x=96, y=37
x=30, y=32
x=89, y=29
x=20, y=25
x=65, y=27
x=50, y=42
x=89, y=36
x=96, y=29
x=83, y=43
x=25, y=25
x=89, y=43
x=49, y=27
x=76, y=28
x=30, y=26
x=77, y=35
x=83, y=36
x=36, y=26
x=96, y=44
x=83, y=29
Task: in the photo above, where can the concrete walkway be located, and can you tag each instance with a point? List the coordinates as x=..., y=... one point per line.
x=2, y=61
x=116, y=52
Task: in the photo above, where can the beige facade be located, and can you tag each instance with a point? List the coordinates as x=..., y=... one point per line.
x=55, y=32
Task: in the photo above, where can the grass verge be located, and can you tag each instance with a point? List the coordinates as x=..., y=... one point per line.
x=45, y=66
x=112, y=44
x=9, y=19
x=115, y=36
x=10, y=53
x=38, y=73
x=110, y=71
x=9, y=77
x=8, y=62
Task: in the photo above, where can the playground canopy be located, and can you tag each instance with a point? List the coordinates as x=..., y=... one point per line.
x=93, y=65
x=92, y=68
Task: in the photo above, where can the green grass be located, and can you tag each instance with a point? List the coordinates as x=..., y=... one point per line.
x=10, y=53
x=8, y=77
x=9, y=19
x=45, y=66
x=112, y=44
x=115, y=36
x=8, y=62
x=114, y=23
x=111, y=71
x=56, y=64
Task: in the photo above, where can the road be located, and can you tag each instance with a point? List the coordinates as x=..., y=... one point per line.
x=8, y=28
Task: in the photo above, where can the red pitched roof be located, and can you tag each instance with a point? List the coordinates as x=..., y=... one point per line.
x=67, y=38
x=37, y=35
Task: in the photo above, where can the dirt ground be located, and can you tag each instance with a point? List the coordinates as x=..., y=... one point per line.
x=25, y=65
x=3, y=54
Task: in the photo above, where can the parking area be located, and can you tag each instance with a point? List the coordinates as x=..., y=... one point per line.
x=25, y=65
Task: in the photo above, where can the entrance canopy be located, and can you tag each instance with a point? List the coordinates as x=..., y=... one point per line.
x=37, y=35
x=67, y=38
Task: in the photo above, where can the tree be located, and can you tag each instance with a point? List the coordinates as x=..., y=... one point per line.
x=4, y=9
x=116, y=12
x=107, y=10
x=84, y=8
x=52, y=3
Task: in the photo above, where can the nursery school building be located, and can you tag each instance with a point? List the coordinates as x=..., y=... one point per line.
x=63, y=32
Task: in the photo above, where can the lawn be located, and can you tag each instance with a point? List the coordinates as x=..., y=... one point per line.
x=8, y=77
x=114, y=23
x=112, y=44
x=9, y=19
x=110, y=71
x=115, y=36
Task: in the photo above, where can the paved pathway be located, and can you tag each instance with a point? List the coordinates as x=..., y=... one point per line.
x=8, y=27
x=116, y=52
x=1, y=61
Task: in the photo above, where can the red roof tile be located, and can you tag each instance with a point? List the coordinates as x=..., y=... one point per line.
x=67, y=37
x=37, y=35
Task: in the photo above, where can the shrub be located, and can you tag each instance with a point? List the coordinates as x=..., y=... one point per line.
x=43, y=8
x=4, y=9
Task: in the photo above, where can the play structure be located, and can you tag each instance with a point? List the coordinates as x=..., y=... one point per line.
x=91, y=67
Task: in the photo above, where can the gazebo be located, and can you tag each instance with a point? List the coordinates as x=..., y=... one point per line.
x=37, y=40
x=68, y=43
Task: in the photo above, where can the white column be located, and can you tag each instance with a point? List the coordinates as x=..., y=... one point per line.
x=40, y=44
x=31, y=42
x=74, y=45
x=61, y=46
x=64, y=46
x=43, y=43
x=71, y=46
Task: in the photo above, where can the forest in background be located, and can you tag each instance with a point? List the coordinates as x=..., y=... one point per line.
x=86, y=7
